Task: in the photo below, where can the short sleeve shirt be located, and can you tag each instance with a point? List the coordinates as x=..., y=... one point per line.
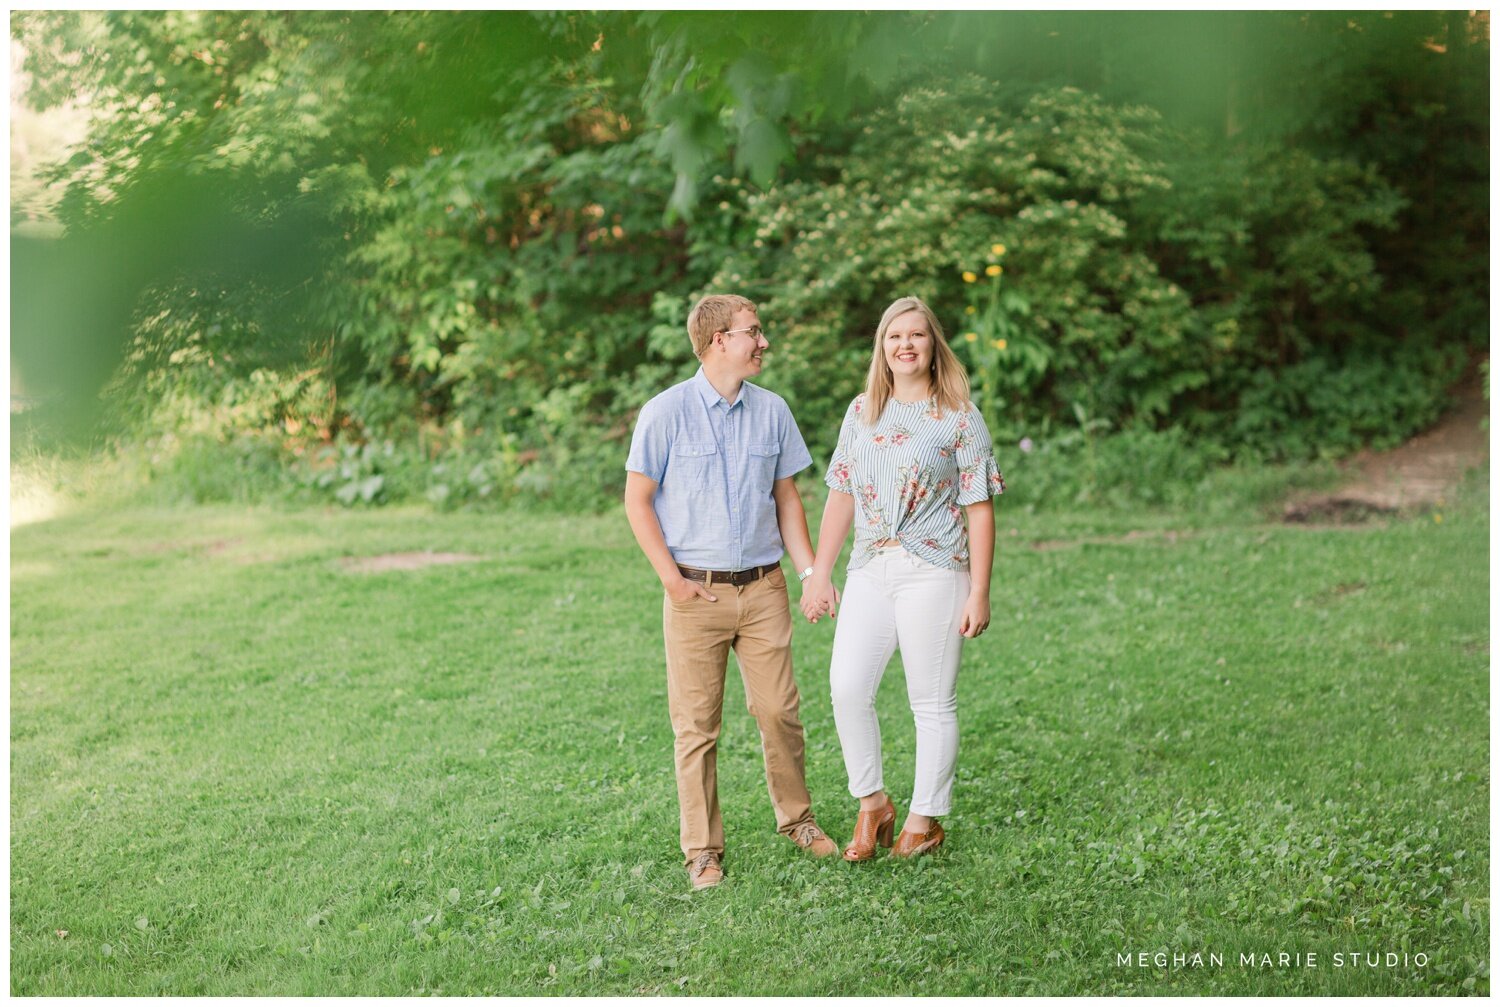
x=911, y=474
x=714, y=464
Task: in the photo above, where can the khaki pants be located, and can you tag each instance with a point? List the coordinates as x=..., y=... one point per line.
x=756, y=621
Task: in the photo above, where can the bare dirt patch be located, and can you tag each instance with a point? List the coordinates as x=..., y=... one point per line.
x=1345, y=590
x=1334, y=510
x=403, y=561
x=200, y=547
x=1129, y=538
x=1417, y=475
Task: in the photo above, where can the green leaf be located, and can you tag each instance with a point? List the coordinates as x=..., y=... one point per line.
x=763, y=147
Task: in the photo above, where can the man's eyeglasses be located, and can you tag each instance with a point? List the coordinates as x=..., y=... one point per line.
x=755, y=332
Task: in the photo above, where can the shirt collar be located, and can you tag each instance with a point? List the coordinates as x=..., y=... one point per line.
x=710, y=394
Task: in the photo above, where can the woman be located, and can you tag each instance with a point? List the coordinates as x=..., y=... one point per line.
x=913, y=458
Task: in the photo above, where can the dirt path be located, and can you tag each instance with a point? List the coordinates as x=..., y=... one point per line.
x=1415, y=475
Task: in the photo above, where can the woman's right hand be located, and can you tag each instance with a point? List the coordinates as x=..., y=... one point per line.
x=819, y=596
x=818, y=593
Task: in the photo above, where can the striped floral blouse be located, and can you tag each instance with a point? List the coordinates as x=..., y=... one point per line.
x=911, y=474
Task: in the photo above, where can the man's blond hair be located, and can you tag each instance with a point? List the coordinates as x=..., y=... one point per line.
x=713, y=314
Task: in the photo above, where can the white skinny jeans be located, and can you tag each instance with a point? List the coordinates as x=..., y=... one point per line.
x=896, y=600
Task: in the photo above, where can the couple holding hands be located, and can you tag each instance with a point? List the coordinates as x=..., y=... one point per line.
x=711, y=500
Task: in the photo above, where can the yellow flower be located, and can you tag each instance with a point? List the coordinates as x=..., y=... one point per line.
x=997, y=249
x=993, y=270
x=971, y=310
x=970, y=337
x=1438, y=518
x=969, y=277
x=1000, y=344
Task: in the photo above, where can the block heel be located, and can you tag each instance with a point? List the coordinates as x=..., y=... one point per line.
x=872, y=829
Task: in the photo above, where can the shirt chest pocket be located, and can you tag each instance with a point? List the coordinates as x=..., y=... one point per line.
x=696, y=464
x=761, y=465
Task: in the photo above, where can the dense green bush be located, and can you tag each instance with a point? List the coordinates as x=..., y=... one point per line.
x=511, y=293
x=922, y=198
x=1136, y=275
x=1329, y=405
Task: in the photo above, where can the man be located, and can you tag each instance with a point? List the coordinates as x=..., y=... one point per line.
x=710, y=498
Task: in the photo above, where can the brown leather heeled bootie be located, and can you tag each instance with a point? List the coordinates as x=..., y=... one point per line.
x=914, y=844
x=870, y=828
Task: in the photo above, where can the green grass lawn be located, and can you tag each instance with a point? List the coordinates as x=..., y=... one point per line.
x=238, y=767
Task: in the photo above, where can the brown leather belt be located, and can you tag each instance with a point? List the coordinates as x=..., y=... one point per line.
x=738, y=578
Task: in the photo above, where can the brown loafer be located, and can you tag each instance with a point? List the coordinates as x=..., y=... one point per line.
x=870, y=828
x=704, y=871
x=814, y=840
x=914, y=844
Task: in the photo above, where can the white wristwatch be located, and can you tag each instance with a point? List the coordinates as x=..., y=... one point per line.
x=804, y=575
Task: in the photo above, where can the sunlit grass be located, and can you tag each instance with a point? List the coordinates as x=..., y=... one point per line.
x=238, y=767
x=32, y=501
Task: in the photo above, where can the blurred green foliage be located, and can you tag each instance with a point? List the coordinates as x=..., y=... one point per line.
x=448, y=255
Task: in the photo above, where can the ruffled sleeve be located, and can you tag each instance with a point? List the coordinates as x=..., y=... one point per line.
x=840, y=474
x=979, y=477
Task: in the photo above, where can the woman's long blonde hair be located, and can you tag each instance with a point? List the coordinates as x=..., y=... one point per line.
x=948, y=383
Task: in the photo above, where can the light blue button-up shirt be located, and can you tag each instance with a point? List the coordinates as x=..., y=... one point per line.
x=714, y=464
